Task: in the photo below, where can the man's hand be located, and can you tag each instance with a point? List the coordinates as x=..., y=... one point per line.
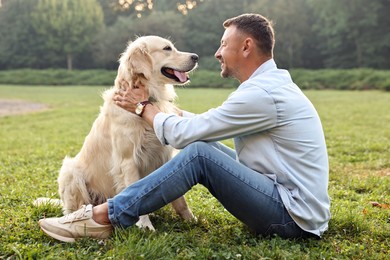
x=128, y=98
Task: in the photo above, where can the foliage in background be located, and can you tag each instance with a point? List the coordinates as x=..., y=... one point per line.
x=20, y=46
x=292, y=29
x=342, y=79
x=32, y=147
x=47, y=33
x=353, y=79
x=67, y=26
x=310, y=33
x=354, y=33
x=132, y=28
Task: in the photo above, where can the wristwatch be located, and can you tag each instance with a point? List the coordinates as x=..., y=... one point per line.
x=139, y=109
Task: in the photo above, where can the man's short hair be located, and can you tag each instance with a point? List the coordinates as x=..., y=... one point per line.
x=256, y=26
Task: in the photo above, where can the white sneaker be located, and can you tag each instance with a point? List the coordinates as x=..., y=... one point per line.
x=75, y=225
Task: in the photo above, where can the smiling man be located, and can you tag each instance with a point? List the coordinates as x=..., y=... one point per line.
x=275, y=180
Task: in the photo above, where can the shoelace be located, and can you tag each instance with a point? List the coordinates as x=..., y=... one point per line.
x=76, y=215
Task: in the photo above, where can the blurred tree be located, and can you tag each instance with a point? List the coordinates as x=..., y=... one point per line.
x=290, y=18
x=356, y=33
x=309, y=33
x=204, y=24
x=68, y=26
x=110, y=13
x=19, y=45
x=112, y=41
x=140, y=8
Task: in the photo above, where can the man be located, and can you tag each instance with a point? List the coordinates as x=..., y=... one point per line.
x=275, y=181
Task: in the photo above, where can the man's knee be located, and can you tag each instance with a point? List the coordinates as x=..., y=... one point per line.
x=198, y=146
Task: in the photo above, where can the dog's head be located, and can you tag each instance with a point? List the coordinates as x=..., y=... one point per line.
x=155, y=63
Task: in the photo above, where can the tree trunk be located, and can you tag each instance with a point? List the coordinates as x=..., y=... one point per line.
x=69, y=60
x=359, y=56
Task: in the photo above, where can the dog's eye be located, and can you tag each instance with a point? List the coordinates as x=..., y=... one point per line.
x=167, y=48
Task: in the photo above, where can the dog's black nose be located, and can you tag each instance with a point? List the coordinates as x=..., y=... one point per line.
x=195, y=57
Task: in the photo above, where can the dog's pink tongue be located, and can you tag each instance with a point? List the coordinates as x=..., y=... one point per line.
x=181, y=76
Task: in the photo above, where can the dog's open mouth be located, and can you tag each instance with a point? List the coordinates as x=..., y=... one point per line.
x=178, y=76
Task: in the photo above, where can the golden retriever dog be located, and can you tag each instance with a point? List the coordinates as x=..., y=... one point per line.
x=121, y=148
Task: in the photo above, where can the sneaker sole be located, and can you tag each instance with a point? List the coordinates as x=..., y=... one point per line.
x=61, y=238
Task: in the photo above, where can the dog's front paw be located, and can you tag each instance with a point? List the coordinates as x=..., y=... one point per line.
x=187, y=215
x=144, y=222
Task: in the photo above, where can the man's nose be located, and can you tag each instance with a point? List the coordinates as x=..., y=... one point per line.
x=217, y=54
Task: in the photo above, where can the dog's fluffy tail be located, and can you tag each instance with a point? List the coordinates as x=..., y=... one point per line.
x=42, y=201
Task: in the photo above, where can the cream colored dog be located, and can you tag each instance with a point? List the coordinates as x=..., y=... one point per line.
x=121, y=148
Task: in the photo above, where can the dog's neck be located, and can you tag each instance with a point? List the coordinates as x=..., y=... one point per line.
x=153, y=99
x=137, y=85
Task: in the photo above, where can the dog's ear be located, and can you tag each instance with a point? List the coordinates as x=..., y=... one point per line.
x=140, y=62
x=135, y=64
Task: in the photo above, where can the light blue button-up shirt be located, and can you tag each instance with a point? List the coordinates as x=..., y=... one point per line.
x=276, y=131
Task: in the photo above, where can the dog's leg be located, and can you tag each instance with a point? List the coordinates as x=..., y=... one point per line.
x=125, y=172
x=144, y=222
x=182, y=209
x=72, y=187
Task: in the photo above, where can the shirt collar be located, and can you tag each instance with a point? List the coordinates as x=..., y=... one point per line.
x=268, y=65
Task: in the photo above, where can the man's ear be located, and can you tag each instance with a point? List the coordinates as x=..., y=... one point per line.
x=140, y=62
x=248, y=46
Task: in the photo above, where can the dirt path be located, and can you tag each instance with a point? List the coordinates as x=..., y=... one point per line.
x=15, y=107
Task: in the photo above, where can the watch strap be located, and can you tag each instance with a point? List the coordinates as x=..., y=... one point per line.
x=144, y=103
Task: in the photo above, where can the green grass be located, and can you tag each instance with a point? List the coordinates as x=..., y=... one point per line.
x=32, y=146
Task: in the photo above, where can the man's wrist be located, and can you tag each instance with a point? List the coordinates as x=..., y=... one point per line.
x=140, y=108
x=149, y=113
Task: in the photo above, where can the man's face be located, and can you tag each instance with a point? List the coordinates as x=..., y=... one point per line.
x=228, y=53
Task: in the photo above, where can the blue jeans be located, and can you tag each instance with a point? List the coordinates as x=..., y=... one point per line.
x=248, y=195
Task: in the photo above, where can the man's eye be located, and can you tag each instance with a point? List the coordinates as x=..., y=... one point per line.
x=167, y=48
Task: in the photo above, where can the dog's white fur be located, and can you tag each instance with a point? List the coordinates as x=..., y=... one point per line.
x=121, y=148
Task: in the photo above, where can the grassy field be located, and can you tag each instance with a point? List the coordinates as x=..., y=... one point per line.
x=32, y=146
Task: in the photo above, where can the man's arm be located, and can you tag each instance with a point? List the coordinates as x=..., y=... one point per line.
x=243, y=113
x=149, y=114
